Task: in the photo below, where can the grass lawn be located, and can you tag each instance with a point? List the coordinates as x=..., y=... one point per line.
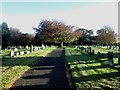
x=12, y=68
x=91, y=73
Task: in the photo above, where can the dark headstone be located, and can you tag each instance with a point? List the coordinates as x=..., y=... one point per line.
x=90, y=50
x=93, y=52
x=110, y=58
x=119, y=58
x=85, y=49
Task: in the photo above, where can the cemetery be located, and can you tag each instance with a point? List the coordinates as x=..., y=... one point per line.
x=85, y=65
x=88, y=66
x=68, y=49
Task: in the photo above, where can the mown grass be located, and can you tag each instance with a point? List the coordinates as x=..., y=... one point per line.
x=14, y=67
x=91, y=73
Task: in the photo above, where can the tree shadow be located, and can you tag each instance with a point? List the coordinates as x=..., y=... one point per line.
x=92, y=59
x=96, y=77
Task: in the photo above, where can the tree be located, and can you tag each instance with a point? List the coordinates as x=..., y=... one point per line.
x=5, y=35
x=85, y=36
x=14, y=36
x=106, y=35
x=18, y=38
x=25, y=39
x=55, y=32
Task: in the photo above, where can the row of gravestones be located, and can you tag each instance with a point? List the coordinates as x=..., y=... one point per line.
x=29, y=49
x=113, y=47
x=110, y=55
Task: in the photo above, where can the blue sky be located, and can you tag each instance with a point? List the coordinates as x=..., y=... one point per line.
x=40, y=7
x=89, y=15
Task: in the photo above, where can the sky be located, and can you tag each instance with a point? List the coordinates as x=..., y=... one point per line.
x=89, y=15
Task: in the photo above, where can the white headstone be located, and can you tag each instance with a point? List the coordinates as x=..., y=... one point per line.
x=43, y=46
x=21, y=52
x=27, y=47
x=11, y=53
x=15, y=49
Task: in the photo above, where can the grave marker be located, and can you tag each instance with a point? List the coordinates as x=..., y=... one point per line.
x=11, y=53
x=119, y=58
x=110, y=58
x=15, y=49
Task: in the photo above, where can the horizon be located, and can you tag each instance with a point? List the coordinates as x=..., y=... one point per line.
x=26, y=15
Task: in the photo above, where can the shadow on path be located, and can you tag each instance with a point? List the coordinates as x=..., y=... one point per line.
x=48, y=74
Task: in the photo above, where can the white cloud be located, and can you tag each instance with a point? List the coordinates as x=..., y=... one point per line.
x=93, y=17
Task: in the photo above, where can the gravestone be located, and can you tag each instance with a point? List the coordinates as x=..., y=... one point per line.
x=27, y=47
x=76, y=47
x=31, y=48
x=110, y=58
x=85, y=49
x=26, y=52
x=15, y=49
x=82, y=48
x=99, y=55
x=11, y=53
x=119, y=47
x=119, y=58
x=21, y=52
x=93, y=52
x=43, y=46
x=17, y=53
x=19, y=47
x=90, y=50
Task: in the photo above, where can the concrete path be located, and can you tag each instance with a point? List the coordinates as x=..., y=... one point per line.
x=48, y=74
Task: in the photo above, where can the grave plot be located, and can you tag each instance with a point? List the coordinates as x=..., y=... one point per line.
x=90, y=72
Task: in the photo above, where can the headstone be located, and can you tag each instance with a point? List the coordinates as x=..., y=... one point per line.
x=110, y=58
x=85, y=50
x=90, y=50
x=15, y=49
x=31, y=48
x=26, y=52
x=27, y=47
x=43, y=46
x=76, y=47
x=119, y=47
x=119, y=58
x=21, y=52
x=82, y=48
x=19, y=47
x=16, y=54
x=93, y=52
x=11, y=53
x=99, y=55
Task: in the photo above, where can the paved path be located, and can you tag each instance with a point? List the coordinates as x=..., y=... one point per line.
x=48, y=74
